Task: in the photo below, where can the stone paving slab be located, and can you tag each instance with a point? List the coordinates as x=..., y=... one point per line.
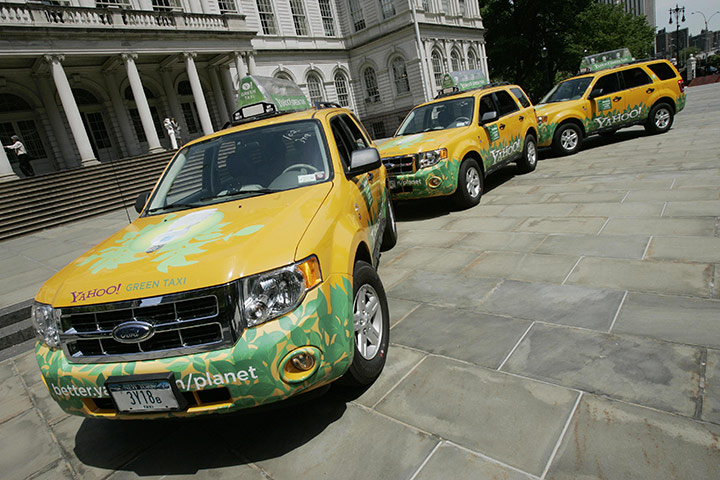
x=538, y=210
x=676, y=194
x=26, y=446
x=630, y=209
x=399, y=309
x=482, y=414
x=710, y=208
x=619, y=246
x=500, y=241
x=672, y=278
x=711, y=401
x=592, y=197
x=465, y=464
x=435, y=259
x=443, y=289
x=490, y=224
x=429, y=238
x=660, y=226
x=694, y=249
x=609, y=440
x=13, y=397
x=587, y=225
x=647, y=372
x=522, y=266
x=400, y=362
x=686, y=320
x=482, y=339
x=592, y=308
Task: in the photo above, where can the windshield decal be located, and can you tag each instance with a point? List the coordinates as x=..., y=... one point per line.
x=168, y=243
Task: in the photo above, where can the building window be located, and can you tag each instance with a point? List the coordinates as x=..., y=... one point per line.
x=314, y=88
x=426, y=5
x=463, y=11
x=388, y=9
x=298, y=14
x=455, y=61
x=356, y=14
x=267, y=17
x=283, y=76
x=327, y=18
x=167, y=5
x=372, y=94
x=437, y=65
x=378, y=129
x=342, y=89
x=113, y=3
x=400, y=76
x=472, y=60
x=227, y=6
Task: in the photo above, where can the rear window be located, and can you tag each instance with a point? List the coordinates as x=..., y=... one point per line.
x=505, y=102
x=663, y=70
x=521, y=97
x=635, y=77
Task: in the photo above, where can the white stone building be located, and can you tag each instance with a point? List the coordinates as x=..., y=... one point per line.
x=83, y=81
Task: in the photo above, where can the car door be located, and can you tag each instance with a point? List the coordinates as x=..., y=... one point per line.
x=503, y=135
x=606, y=103
x=638, y=95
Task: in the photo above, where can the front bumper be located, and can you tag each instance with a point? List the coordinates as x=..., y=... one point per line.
x=253, y=372
x=438, y=180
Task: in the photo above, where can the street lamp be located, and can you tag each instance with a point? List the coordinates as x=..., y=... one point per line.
x=677, y=11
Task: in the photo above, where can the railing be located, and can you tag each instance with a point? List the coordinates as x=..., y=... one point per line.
x=29, y=15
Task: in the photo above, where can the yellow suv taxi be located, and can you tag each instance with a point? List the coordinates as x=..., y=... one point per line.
x=447, y=146
x=615, y=92
x=249, y=276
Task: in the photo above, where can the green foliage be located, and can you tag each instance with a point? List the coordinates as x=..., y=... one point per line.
x=714, y=61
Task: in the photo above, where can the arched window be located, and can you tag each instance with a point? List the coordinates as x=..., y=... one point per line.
x=283, y=76
x=372, y=93
x=437, y=65
x=12, y=103
x=314, y=88
x=402, y=85
x=22, y=123
x=455, y=61
x=342, y=89
x=472, y=60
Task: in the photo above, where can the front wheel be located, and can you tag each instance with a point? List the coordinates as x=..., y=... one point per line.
x=567, y=139
x=660, y=119
x=528, y=161
x=371, y=320
x=470, y=184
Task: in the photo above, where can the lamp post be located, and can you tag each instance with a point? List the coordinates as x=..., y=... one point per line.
x=677, y=11
x=544, y=54
x=706, y=48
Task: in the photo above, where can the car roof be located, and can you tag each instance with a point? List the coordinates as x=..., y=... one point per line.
x=490, y=88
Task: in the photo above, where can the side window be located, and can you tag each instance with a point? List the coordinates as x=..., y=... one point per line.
x=663, y=70
x=487, y=105
x=342, y=140
x=358, y=139
x=635, y=77
x=608, y=84
x=520, y=95
x=506, y=103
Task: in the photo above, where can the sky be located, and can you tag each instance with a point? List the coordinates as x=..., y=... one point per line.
x=693, y=21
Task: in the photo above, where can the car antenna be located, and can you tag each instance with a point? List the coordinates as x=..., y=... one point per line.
x=122, y=196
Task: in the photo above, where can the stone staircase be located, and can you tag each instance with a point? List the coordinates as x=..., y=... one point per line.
x=31, y=204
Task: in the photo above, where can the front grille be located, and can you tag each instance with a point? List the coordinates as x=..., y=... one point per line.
x=188, y=322
x=399, y=165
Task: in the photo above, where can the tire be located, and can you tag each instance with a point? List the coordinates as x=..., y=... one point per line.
x=390, y=235
x=528, y=161
x=470, y=184
x=371, y=320
x=660, y=119
x=567, y=139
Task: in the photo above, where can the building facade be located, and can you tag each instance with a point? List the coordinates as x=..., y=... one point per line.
x=637, y=8
x=87, y=81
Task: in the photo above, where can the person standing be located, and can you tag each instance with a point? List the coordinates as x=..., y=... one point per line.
x=22, y=156
x=176, y=129
x=168, y=124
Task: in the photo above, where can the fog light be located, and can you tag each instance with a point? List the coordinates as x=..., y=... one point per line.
x=303, y=361
x=434, y=182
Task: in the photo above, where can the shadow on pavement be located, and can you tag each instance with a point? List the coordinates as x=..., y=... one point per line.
x=186, y=446
x=596, y=141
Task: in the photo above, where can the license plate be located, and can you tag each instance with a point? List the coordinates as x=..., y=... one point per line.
x=139, y=395
x=393, y=182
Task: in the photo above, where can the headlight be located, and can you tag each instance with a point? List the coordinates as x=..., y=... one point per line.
x=46, y=319
x=428, y=159
x=542, y=119
x=277, y=292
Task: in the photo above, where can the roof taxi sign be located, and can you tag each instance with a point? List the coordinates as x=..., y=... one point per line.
x=263, y=95
x=463, y=80
x=601, y=61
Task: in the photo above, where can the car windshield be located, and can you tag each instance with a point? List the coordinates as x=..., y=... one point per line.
x=568, y=90
x=247, y=163
x=453, y=113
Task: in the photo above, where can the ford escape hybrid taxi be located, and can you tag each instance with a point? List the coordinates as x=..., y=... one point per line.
x=249, y=276
x=612, y=93
x=447, y=146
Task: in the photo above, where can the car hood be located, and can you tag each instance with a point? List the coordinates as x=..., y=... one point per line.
x=419, y=142
x=553, y=109
x=189, y=249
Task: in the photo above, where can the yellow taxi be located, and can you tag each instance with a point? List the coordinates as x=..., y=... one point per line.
x=447, y=146
x=613, y=92
x=248, y=278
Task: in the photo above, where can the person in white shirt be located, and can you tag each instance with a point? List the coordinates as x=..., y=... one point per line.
x=22, y=156
x=171, y=126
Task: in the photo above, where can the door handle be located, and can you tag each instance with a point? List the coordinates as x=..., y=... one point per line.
x=502, y=126
x=370, y=176
x=649, y=90
x=617, y=99
x=521, y=118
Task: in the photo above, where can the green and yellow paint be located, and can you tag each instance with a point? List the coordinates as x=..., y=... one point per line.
x=501, y=151
x=250, y=370
x=437, y=180
x=680, y=102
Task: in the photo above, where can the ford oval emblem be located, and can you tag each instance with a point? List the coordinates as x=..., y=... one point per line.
x=133, y=332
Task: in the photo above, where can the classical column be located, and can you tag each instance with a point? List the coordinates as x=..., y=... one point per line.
x=6, y=171
x=240, y=66
x=251, y=64
x=87, y=156
x=141, y=103
x=229, y=89
x=483, y=60
x=128, y=135
x=218, y=94
x=172, y=99
x=198, y=95
x=56, y=123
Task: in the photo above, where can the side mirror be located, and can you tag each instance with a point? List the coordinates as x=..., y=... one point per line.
x=595, y=93
x=141, y=201
x=362, y=161
x=488, y=117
